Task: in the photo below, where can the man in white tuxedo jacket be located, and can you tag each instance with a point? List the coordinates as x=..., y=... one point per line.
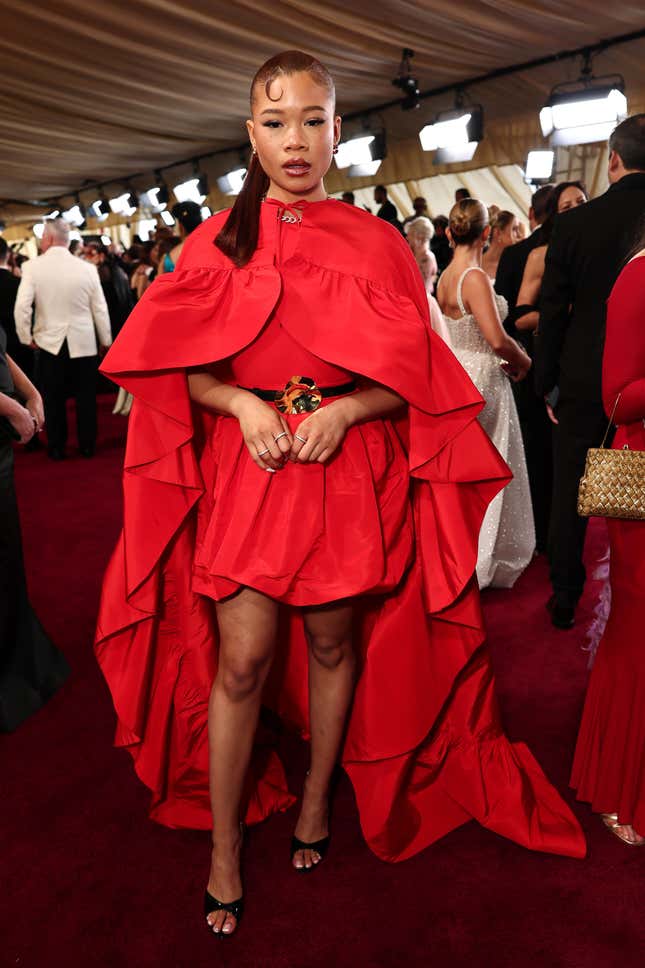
x=70, y=310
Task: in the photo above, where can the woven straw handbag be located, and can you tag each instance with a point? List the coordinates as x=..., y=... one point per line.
x=613, y=485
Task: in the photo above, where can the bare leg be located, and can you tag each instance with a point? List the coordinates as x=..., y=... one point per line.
x=332, y=667
x=247, y=626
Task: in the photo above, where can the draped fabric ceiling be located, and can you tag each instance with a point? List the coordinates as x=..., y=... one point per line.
x=94, y=92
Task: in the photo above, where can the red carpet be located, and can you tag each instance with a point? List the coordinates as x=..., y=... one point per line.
x=90, y=881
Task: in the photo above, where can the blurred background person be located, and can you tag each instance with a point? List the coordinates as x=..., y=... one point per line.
x=440, y=243
x=419, y=232
x=504, y=231
x=564, y=196
x=349, y=198
x=420, y=207
x=114, y=282
x=588, y=246
x=461, y=194
x=387, y=209
x=31, y=669
x=9, y=284
x=70, y=309
x=609, y=763
x=473, y=313
x=187, y=215
x=534, y=422
x=77, y=248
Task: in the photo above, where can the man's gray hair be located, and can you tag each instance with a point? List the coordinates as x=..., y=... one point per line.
x=58, y=230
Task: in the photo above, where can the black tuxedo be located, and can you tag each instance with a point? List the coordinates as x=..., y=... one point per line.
x=534, y=422
x=587, y=250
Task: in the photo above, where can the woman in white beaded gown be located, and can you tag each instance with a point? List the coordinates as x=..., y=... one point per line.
x=474, y=314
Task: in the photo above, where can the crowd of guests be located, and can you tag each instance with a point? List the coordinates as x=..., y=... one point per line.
x=526, y=318
x=539, y=305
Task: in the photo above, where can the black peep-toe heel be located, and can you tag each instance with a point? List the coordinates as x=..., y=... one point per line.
x=236, y=908
x=320, y=847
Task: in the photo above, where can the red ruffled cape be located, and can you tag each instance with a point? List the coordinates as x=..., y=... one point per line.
x=425, y=750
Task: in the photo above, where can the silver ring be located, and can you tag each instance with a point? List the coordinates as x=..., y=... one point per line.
x=303, y=439
x=262, y=452
x=283, y=434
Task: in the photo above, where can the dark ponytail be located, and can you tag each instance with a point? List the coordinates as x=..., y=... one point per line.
x=238, y=238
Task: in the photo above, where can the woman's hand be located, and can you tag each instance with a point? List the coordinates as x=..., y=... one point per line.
x=321, y=434
x=35, y=407
x=23, y=423
x=518, y=369
x=266, y=433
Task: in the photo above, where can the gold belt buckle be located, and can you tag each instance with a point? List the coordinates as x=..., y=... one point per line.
x=300, y=395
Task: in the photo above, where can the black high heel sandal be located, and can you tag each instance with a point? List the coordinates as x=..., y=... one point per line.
x=320, y=847
x=236, y=908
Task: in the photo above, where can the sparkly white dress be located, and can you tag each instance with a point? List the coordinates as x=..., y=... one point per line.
x=507, y=537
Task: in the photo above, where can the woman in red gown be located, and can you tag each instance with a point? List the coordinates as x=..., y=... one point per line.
x=335, y=530
x=609, y=764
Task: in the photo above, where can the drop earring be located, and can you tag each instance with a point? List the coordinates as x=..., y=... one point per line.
x=335, y=151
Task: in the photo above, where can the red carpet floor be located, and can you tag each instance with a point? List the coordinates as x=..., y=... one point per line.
x=88, y=880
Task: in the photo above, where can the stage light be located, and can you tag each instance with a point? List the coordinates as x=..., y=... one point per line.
x=145, y=228
x=74, y=215
x=231, y=183
x=99, y=208
x=55, y=213
x=123, y=204
x=406, y=82
x=188, y=191
x=454, y=135
x=206, y=212
x=539, y=166
x=156, y=198
x=167, y=218
x=106, y=240
x=584, y=111
x=354, y=152
x=365, y=170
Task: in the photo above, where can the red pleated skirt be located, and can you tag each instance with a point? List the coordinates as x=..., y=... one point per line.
x=609, y=764
x=309, y=533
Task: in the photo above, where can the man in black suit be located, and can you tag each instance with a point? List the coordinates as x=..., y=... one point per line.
x=587, y=250
x=534, y=422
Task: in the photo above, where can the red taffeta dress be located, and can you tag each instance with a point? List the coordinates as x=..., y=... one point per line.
x=609, y=764
x=392, y=519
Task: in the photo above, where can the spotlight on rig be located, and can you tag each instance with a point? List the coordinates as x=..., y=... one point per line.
x=405, y=81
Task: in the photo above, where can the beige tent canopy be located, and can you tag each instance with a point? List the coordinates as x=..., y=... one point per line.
x=101, y=92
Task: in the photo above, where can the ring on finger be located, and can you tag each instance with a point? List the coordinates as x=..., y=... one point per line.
x=303, y=439
x=261, y=453
x=283, y=434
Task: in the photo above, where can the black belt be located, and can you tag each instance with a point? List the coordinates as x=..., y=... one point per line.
x=338, y=391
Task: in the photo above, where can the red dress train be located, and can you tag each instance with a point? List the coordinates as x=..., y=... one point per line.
x=609, y=765
x=392, y=519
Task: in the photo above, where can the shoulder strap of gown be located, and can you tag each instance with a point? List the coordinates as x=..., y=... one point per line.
x=460, y=301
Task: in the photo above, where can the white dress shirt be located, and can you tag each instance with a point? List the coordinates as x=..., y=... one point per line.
x=69, y=301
